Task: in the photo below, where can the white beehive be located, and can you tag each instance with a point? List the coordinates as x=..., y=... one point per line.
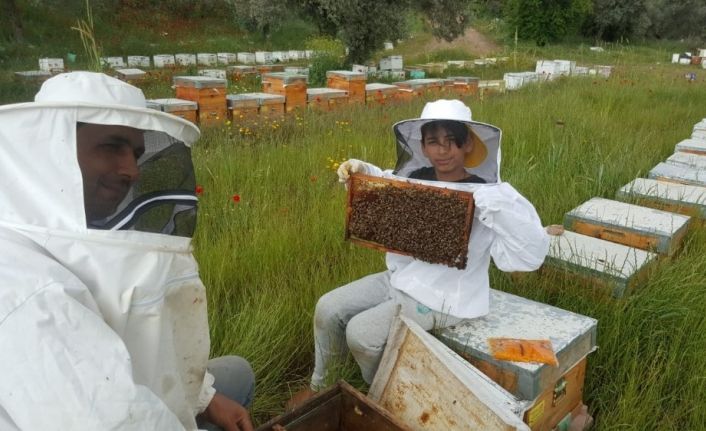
x=388, y=46
x=280, y=56
x=213, y=73
x=675, y=58
x=546, y=69
x=185, y=59
x=112, y=62
x=679, y=174
x=393, y=62
x=696, y=146
x=681, y=198
x=565, y=67
x=696, y=161
x=702, y=52
x=263, y=57
x=138, y=61
x=206, y=59
x=604, y=71
x=580, y=71
x=226, y=58
x=51, y=64
x=246, y=57
x=130, y=74
x=516, y=80
x=163, y=60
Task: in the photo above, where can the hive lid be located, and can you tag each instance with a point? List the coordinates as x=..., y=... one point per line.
x=689, y=159
x=243, y=100
x=265, y=98
x=346, y=74
x=286, y=78
x=464, y=79
x=324, y=93
x=692, y=145
x=374, y=86
x=199, y=82
x=172, y=105
x=679, y=173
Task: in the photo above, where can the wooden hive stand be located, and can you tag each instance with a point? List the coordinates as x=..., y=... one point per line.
x=292, y=87
x=209, y=93
x=351, y=82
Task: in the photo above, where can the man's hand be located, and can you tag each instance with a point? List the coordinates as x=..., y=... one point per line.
x=227, y=414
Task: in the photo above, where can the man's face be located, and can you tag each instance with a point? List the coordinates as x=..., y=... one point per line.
x=107, y=156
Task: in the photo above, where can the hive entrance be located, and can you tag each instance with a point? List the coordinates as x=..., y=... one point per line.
x=429, y=223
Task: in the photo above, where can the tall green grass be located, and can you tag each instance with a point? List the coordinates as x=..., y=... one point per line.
x=268, y=257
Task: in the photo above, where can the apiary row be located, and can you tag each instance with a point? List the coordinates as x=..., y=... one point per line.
x=612, y=244
x=205, y=101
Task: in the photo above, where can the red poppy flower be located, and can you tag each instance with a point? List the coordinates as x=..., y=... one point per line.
x=313, y=178
x=236, y=198
x=199, y=190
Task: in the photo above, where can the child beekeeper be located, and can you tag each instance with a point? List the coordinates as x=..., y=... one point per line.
x=102, y=311
x=443, y=148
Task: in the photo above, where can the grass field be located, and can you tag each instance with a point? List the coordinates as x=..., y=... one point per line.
x=270, y=232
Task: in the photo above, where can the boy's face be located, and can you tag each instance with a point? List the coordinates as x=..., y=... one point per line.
x=107, y=156
x=440, y=147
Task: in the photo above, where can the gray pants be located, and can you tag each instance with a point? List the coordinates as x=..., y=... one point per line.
x=358, y=317
x=235, y=379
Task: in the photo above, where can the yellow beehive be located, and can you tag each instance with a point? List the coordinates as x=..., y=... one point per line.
x=292, y=87
x=351, y=82
x=325, y=99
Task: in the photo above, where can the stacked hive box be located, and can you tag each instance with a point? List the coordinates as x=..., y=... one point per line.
x=185, y=109
x=130, y=74
x=292, y=87
x=268, y=105
x=465, y=85
x=380, y=93
x=351, y=82
x=554, y=392
x=325, y=99
x=242, y=108
x=209, y=93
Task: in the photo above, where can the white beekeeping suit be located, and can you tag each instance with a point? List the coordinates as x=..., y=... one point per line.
x=505, y=225
x=103, y=322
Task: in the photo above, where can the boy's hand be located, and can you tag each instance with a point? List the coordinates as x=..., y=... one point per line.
x=227, y=414
x=349, y=167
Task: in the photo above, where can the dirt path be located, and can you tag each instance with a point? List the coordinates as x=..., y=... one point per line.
x=472, y=41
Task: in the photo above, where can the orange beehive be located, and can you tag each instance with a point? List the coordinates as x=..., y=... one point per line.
x=240, y=71
x=404, y=95
x=209, y=93
x=325, y=99
x=352, y=82
x=242, y=108
x=185, y=109
x=422, y=87
x=292, y=87
x=380, y=93
x=464, y=85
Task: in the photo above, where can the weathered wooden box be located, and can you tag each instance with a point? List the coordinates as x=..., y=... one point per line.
x=246, y=57
x=51, y=64
x=240, y=71
x=130, y=74
x=161, y=61
x=242, y=108
x=185, y=59
x=572, y=335
x=206, y=59
x=696, y=161
x=380, y=93
x=429, y=86
x=185, y=109
x=679, y=198
x=213, y=73
x=292, y=87
x=112, y=62
x=517, y=80
x=226, y=58
x=439, y=219
x=339, y=408
x=263, y=57
x=351, y=82
x=325, y=99
x=209, y=93
x=405, y=95
x=138, y=61
x=491, y=86
x=679, y=174
x=393, y=62
x=631, y=225
x=465, y=85
x=428, y=387
x=611, y=268
x=696, y=146
x=271, y=105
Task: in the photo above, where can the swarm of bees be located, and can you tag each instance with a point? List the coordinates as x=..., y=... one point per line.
x=430, y=224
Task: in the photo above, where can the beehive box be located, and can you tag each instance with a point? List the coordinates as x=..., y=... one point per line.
x=572, y=336
x=226, y=58
x=325, y=99
x=631, y=225
x=246, y=57
x=465, y=85
x=269, y=68
x=546, y=70
x=292, y=87
x=161, y=61
x=393, y=62
x=206, y=59
x=209, y=93
x=237, y=72
x=351, y=82
x=430, y=86
x=339, y=408
x=679, y=174
x=138, y=61
x=33, y=75
x=51, y=64
x=497, y=86
x=213, y=73
x=405, y=95
x=696, y=161
x=439, y=219
x=604, y=71
x=580, y=71
x=416, y=73
x=565, y=67
x=679, y=198
x=271, y=105
x=517, y=80
x=380, y=93
x=263, y=57
x=696, y=146
x=296, y=55
x=242, y=108
x=185, y=109
x=611, y=268
x=112, y=62
x=428, y=387
x=130, y=74
x=185, y=59
x=280, y=56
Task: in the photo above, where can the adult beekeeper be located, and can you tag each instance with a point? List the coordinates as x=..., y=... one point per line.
x=102, y=312
x=443, y=148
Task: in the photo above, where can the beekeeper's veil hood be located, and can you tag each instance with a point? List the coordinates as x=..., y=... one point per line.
x=484, y=159
x=89, y=138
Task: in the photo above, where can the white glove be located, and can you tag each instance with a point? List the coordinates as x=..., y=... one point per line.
x=349, y=167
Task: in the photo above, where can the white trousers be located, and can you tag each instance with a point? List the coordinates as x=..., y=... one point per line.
x=357, y=317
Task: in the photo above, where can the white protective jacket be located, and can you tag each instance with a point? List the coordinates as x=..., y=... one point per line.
x=505, y=226
x=100, y=329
